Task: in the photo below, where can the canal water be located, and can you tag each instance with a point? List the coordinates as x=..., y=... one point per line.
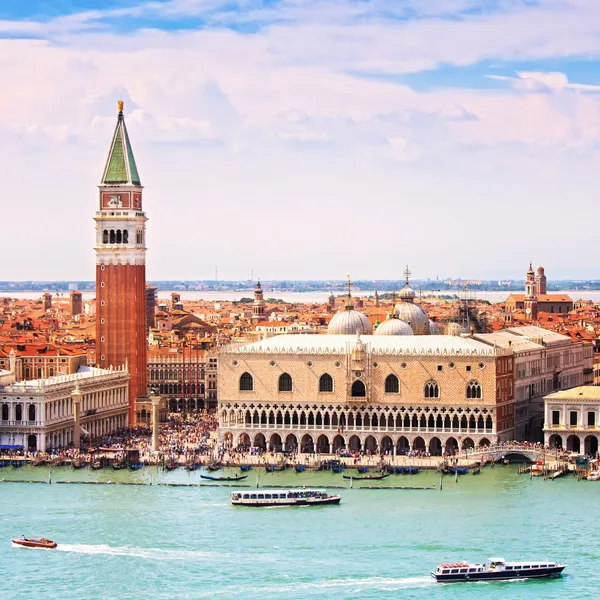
x=125, y=542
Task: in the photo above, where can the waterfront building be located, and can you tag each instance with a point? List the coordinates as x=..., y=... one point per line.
x=393, y=392
x=121, y=266
x=535, y=286
x=39, y=414
x=365, y=392
x=545, y=361
x=572, y=419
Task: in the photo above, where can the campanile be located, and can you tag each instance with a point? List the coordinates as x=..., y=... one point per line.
x=121, y=266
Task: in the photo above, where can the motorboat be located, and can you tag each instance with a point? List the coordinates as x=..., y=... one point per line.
x=593, y=476
x=34, y=542
x=303, y=497
x=496, y=569
x=216, y=478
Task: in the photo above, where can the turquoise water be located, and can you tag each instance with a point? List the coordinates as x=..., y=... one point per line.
x=154, y=542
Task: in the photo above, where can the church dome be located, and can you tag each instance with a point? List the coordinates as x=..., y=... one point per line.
x=407, y=293
x=433, y=328
x=393, y=326
x=348, y=321
x=414, y=315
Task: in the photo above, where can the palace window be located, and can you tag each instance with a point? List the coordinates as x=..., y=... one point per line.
x=125, y=236
x=326, y=383
x=105, y=236
x=246, y=382
x=285, y=383
x=392, y=385
x=432, y=390
x=358, y=389
x=473, y=389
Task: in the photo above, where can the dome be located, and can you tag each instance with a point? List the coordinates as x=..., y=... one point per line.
x=349, y=322
x=414, y=315
x=407, y=293
x=393, y=326
x=540, y=270
x=433, y=328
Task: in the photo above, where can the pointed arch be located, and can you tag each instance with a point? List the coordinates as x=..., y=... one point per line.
x=392, y=384
x=432, y=389
x=473, y=390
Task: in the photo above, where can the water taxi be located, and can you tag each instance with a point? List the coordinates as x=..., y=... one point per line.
x=34, y=542
x=303, y=497
x=496, y=569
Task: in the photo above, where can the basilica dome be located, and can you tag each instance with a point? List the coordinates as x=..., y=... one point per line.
x=433, y=328
x=348, y=321
x=414, y=315
x=393, y=326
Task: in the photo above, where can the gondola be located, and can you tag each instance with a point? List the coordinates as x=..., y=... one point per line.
x=96, y=465
x=366, y=477
x=170, y=466
x=213, y=478
x=274, y=468
x=136, y=467
x=191, y=467
x=214, y=467
x=118, y=466
x=17, y=464
x=246, y=468
x=300, y=468
x=475, y=470
x=338, y=468
x=79, y=464
x=362, y=469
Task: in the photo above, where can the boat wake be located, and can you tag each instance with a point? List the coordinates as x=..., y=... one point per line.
x=389, y=584
x=132, y=551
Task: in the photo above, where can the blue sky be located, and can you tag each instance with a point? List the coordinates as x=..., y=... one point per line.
x=307, y=139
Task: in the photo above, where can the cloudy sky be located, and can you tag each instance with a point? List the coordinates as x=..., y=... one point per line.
x=306, y=139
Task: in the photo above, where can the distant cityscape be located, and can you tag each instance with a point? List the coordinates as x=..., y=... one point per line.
x=332, y=285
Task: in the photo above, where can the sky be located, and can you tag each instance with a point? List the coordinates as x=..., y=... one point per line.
x=304, y=139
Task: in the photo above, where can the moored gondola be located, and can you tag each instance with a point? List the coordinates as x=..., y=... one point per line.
x=300, y=468
x=216, y=478
x=366, y=477
x=246, y=468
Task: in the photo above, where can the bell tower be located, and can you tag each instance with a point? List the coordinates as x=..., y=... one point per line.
x=121, y=266
x=531, y=302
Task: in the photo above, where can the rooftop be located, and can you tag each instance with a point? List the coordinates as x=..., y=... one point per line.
x=583, y=392
x=439, y=345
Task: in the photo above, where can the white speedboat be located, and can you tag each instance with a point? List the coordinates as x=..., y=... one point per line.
x=303, y=497
x=593, y=476
x=496, y=569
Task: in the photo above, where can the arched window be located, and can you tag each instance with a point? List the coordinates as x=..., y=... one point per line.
x=432, y=390
x=285, y=383
x=246, y=382
x=125, y=236
x=326, y=383
x=119, y=236
x=392, y=385
x=5, y=412
x=112, y=236
x=473, y=389
x=32, y=412
x=19, y=413
x=105, y=236
x=358, y=389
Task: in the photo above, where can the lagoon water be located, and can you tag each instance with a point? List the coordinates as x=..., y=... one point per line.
x=156, y=542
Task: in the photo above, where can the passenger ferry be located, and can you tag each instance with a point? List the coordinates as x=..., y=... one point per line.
x=496, y=568
x=303, y=497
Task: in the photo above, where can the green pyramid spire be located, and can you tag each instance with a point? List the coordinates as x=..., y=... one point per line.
x=120, y=166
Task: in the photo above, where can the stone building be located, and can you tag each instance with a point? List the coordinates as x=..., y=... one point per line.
x=572, y=419
x=394, y=393
x=545, y=361
x=39, y=415
x=39, y=361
